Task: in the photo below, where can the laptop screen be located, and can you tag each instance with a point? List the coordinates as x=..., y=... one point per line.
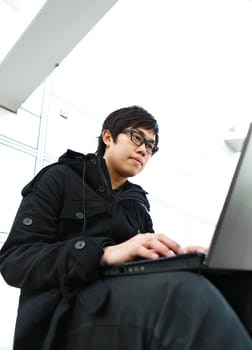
x=232, y=241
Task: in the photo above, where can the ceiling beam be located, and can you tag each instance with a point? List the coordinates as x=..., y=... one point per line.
x=55, y=31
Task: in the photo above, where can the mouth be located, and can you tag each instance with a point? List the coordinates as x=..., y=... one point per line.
x=137, y=160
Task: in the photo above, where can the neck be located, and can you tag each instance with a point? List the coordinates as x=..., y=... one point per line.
x=116, y=179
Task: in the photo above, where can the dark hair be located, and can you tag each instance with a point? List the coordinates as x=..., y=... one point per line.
x=123, y=118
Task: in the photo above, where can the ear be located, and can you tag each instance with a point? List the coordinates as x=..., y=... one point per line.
x=107, y=137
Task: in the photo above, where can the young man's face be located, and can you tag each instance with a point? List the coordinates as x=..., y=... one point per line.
x=126, y=157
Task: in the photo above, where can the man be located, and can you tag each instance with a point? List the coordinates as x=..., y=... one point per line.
x=82, y=213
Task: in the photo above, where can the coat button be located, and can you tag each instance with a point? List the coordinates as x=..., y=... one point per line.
x=79, y=215
x=27, y=221
x=101, y=189
x=93, y=161
x=80, y=245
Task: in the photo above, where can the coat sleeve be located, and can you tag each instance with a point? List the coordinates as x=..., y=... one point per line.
x=33, y=256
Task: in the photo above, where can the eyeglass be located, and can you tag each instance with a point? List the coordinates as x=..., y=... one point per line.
x=137, y=137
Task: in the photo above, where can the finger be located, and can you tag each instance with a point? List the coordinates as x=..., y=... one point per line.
x=159, y=247
x=195, y=249
x=170, y=243
x=152, y=254
x=147, y=253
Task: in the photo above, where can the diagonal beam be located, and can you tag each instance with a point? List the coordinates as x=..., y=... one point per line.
x=55, y=31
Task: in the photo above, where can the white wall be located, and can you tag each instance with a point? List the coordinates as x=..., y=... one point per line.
x=8, y=307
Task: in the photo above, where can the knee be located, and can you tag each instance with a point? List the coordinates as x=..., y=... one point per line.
x=194, y=288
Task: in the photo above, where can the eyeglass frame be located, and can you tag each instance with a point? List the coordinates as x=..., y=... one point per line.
x=147, y=143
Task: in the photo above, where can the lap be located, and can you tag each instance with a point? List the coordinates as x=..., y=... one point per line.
x=154, y=309
x=144, y=296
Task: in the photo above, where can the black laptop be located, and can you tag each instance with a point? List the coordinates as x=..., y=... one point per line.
x=231, y=245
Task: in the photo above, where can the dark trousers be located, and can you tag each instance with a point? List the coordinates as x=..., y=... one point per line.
x=165, y=311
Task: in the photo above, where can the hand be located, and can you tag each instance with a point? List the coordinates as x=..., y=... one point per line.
x=147, y=245
x=195, y=249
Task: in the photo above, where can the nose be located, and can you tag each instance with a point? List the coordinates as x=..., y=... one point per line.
x=142, y=149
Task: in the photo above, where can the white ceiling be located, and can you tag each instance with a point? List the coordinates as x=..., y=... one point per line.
x=188, y=61
x=53, y=33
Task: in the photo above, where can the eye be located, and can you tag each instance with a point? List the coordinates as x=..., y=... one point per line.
x=136, y=138
x=149, y=147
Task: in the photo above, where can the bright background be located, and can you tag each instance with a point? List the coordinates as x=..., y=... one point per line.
x=186, y=62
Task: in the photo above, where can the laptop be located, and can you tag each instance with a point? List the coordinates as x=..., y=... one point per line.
x=231, y=244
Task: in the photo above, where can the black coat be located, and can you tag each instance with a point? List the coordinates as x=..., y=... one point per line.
x=69, y=212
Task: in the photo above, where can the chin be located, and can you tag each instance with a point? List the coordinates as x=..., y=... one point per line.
x=133, y=173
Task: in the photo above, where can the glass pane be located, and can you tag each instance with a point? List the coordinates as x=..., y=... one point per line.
x=17, y=170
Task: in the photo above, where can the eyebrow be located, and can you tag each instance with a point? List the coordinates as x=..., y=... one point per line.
x=153, y=141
